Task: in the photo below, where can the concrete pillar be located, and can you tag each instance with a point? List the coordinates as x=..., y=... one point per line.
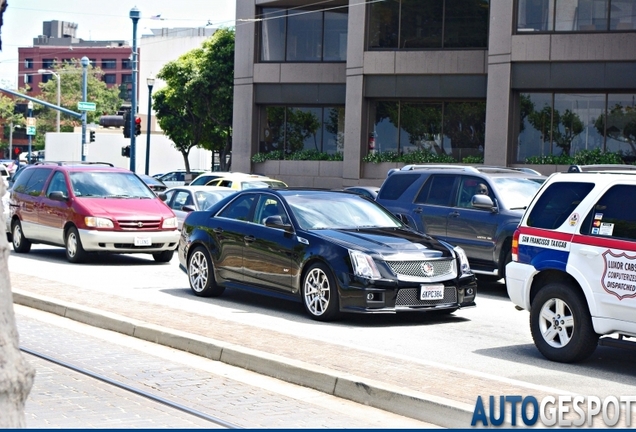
x=499, y=140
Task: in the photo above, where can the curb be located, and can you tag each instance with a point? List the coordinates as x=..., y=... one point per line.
x=420, y=406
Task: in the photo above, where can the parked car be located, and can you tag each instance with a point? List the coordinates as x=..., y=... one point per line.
x=4, y=174
x=185, y=199
x=205, y=178
x=368, y=191
x=477, y=208
x=247, y=182
x=574, y=262
x=333, y=251
x=180, y=177
x=89, y=207
x=155, y=185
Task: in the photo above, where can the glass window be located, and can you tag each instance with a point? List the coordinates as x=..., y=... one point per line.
x=417, y=24
x=304, y=36
x=304, y=129
x=618, y=125
x=292, y=129
x=394, y=186
x=557, y=203
x=22, y=180
x=464, y=128
x=466, y=24
x=535, y=15
x=110, y=78
x=564, y=123
x=28, y=63
x=109, y=64
x=613, y=215
x=46, y=78
x=48, y=63
x=438, y=190
x=333, y=130
x=126, y=64
x=273, y=35
x=421, y=25
x=386, y=115
x=591, y=15
x=384, y=24
x=58, y=184
x=623, y=15
x=35, y=183
x=420, y=127
x=126, y=78
x=335, y=36
x=239, y=208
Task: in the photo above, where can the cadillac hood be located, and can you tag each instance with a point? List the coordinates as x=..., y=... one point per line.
x=386, y=242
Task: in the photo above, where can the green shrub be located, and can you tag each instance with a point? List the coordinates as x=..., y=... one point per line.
x=419, y=156
x=584, y=157
x=473, y=160
x=299, y=155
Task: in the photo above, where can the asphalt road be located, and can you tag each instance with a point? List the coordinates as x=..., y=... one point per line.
x=492, y=340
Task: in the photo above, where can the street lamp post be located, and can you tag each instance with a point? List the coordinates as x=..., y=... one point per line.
x=57, y=76
x=85, y=62
x=134, y=16
x=29, y=114
x=151, y=82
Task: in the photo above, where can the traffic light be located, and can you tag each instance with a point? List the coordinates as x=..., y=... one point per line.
x=92, y=136
x=137, y=126
x=126, y=124
x=125, y=151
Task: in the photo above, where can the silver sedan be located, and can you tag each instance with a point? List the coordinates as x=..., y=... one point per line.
x=184, y=199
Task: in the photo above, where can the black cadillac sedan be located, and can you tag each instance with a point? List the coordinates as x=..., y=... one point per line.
x=333, y=251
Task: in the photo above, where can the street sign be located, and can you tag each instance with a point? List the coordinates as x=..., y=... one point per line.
x=30, y=130
x=86, y=106
x=30, y=121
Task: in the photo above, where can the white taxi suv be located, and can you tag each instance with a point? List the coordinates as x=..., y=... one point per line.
x=574, y=261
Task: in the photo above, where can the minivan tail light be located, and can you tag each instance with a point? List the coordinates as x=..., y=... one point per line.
x=515, y=246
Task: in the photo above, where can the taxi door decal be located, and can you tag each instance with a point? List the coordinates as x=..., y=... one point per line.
x=619, y=276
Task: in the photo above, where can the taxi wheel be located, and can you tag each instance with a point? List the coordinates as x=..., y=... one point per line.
x=20, y=243
x=75, y=252
x=319, y=292
x=201, y=274
x=163, y=257
x=561, y=324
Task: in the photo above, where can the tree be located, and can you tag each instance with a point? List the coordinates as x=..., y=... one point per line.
x=16, y=374
x=8, y=115
x=106, y=99
x=194, y=109
x=561, y=129
x=620, y=123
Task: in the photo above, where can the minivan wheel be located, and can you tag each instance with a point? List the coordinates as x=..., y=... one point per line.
x=75, y=252
x=561, y=324
x=163, y=257
x=20, y=243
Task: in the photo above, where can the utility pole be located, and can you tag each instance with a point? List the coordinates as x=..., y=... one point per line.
x=85, y=63
x=134, y=16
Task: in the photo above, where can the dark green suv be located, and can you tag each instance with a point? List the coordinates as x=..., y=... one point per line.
x=475, y=207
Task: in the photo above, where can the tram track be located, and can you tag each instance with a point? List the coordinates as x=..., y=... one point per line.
x=137, y=391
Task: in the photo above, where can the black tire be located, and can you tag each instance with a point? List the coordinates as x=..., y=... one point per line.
x=320, y=294
x=20, y=243
x=507, y=260
x=561, y=324
x=163, y=257
x=75, y=252
x=201, y=274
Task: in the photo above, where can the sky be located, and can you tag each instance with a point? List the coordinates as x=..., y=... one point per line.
x=102, y=20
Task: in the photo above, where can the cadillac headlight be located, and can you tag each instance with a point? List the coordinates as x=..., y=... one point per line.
x=98, y=222
x=464, y=267
x=363, y=265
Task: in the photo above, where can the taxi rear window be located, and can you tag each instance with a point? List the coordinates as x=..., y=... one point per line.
x=556, y=204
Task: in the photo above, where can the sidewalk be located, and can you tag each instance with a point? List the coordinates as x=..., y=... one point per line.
x=432, y=394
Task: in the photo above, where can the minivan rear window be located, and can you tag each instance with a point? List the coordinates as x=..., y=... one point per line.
x=557, y=203
x=395, y=185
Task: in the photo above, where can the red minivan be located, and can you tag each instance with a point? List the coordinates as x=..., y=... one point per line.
x=90, y=207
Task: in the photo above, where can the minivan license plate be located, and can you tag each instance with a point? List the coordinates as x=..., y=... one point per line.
x=142, y=241
x=432, y=292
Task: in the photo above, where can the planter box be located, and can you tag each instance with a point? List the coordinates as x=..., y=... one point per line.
x=323, y=174
x=378, y=170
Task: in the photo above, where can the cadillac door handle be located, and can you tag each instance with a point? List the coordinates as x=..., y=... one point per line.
x=453, y=214
x=217, y=230
x=590, y=253
x=249, y=239
x=417, y=210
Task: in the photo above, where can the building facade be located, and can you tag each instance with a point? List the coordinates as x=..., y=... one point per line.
x=505, y=80
x=58, y=44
